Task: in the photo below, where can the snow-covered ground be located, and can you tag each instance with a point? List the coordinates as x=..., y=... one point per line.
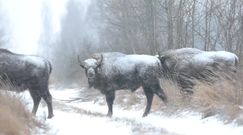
x=84, y=116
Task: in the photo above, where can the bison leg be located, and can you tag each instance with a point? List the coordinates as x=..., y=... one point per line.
x=110, y=96
x=160, y=92
x=149, y=95
x=36, y=99
x=48, y=99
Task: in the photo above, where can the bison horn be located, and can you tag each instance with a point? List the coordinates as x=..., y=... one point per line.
x=162, y=57
x=100, y=60
x=79, y=59
x=159, y=54
x=80, y=62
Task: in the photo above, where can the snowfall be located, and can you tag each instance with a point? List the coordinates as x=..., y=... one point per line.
x=75, y=114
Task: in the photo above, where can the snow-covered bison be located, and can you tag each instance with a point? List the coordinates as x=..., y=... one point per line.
x=187, y=64
x=113, y=71
x=20, y=72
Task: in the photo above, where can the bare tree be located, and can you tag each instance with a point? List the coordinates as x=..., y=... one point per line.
x=149, y=26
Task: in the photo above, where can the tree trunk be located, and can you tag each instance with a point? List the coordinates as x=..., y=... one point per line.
x=170, y=23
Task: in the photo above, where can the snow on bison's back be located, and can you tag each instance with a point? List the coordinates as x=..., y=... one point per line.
x=130, y=63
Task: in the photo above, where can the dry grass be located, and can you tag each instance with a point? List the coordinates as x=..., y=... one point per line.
x=15, y=119
x=223, y=98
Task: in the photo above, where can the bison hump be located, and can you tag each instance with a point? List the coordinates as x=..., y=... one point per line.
x=35, y=60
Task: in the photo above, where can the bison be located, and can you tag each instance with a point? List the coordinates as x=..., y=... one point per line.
x=187, y=64
x=20, y=72
x=113, y=71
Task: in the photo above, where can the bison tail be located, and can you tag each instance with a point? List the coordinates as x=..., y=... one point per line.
x=236, y=61
x=50, y=67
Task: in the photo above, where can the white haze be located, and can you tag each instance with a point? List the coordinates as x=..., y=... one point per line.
x=22, y=22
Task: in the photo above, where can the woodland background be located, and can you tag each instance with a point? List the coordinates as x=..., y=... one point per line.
x=136, y=26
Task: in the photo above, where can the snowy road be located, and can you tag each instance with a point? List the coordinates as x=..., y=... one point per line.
x=84, y=116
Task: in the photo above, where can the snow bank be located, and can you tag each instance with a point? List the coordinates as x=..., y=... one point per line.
x=192, y=124
x=185, y=123
x=90, y=118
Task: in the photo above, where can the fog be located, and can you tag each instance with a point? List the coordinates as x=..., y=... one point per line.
x=61, y=30
x=21, y=25
x=56, y=30
x=63, y=44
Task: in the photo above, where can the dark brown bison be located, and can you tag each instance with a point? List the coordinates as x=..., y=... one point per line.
x=186, y=65
x=20, y=72
x=113, y=71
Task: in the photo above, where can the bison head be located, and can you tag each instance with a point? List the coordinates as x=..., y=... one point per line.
x=91, y=67
x=167, y=62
